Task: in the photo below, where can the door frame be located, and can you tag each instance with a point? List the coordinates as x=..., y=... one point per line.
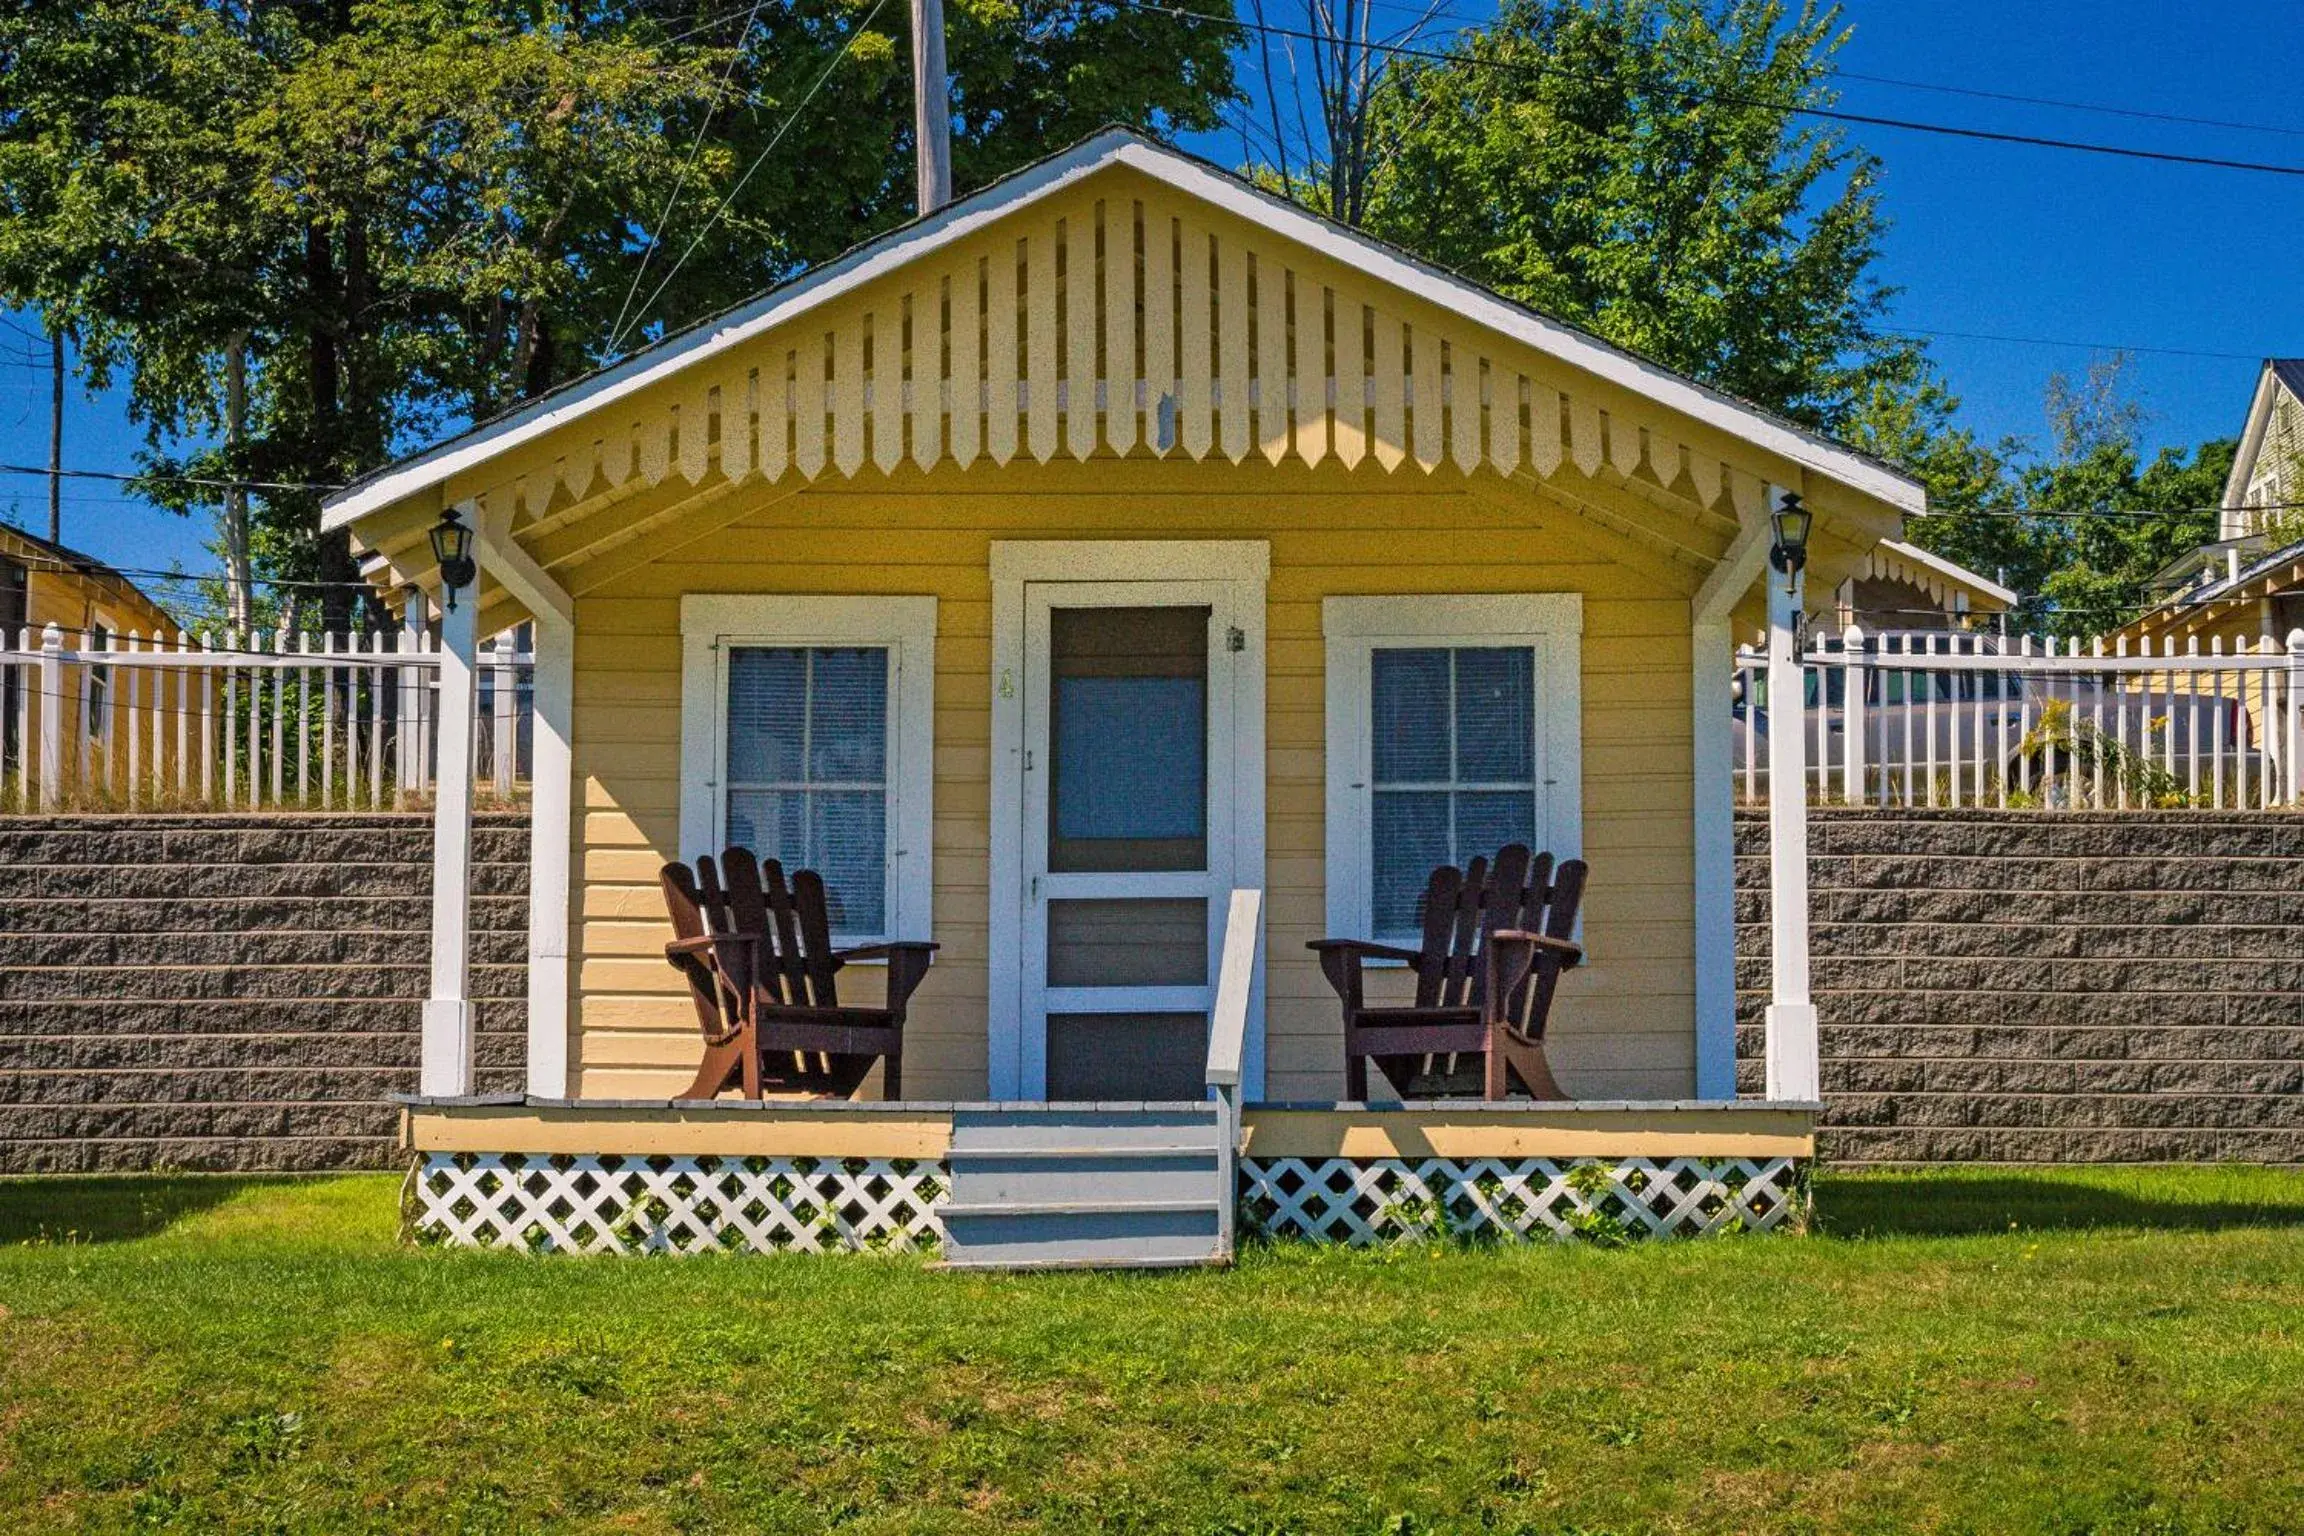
x=1016, y=1068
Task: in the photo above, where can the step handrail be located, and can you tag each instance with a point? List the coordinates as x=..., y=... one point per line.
x=1228, y=1045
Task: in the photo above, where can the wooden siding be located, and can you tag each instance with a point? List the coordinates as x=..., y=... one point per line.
x=1624, y=1027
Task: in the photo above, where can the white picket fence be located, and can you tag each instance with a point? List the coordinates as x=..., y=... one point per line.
x=1928, y=718
x=242, y=721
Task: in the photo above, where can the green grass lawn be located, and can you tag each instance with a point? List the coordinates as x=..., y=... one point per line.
x=1989, y=1351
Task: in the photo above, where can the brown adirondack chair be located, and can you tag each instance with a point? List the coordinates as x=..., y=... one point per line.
x=761, y=970
x=1495, y=942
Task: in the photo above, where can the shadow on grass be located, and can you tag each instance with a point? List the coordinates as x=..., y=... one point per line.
x=106, y=1209
x=1941, y=1203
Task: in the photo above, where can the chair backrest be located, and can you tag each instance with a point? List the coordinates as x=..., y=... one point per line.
x=1517, y=890
x=796, y=960
x=684, y=900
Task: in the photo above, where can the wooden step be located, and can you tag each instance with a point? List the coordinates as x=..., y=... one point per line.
x=1048, y=1186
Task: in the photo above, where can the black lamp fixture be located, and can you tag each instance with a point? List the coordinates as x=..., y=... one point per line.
x=1790, y=551
x=452, y=547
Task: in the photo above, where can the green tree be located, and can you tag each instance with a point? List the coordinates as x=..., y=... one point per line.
x=404, y=214
x=1629, y=165
x=2116, y=516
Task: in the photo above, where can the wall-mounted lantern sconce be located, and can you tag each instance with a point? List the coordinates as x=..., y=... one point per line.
x=1790, y=551
x=452, y=547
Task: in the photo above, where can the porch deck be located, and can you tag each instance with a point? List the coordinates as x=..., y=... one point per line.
x=686, y=1176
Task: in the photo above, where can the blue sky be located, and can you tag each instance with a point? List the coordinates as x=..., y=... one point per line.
x=1991, y=239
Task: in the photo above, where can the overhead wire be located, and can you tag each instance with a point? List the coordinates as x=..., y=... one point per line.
x=1899, y=82
x=758, y=160
x=680, y=182
x=1723, y=98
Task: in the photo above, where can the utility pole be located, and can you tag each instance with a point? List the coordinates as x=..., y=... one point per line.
x=931, y=105
x=239, y=569
x=56, y=434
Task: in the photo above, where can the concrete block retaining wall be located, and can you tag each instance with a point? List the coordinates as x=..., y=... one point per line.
x=234, y=992
x=2031, y=987
x=243, y=991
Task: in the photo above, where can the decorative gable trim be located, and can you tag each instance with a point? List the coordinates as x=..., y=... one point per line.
x=1316, y=342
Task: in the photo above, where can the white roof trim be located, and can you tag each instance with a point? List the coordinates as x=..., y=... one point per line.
x=1182, y=173
x=1951, y=571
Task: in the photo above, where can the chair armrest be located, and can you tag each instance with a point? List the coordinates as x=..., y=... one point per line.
x=1340, y=962
x=1570, y=954
x=887, y=951
x=1364, y=949
x=908, y=962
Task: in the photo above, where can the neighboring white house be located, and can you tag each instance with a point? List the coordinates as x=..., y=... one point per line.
x=2246, y=585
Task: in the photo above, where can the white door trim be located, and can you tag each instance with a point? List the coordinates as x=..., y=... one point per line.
x=1246, y=564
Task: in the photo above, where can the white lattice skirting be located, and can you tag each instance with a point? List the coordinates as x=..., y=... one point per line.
x=633, y=1204
x=1395, y=1200
x=619, y=1204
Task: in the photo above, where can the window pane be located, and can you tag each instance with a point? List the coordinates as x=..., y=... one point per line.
x=1128, y=942
x=848, y=716
x=848, y=846
x=1127, y=1055
x=1486, y=820
x=801, y=717
x=767, y=708
x=1495, y=715
x=1408, y=717
x=1411, y=840
x=1129, y=739
x=773, y=823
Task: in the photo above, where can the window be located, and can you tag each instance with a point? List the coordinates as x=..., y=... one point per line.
x=806, y=737
x=1453, y=729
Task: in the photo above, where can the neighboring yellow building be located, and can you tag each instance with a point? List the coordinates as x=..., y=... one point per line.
x=2247, y=587
x=1111, y=538
x=95, y=608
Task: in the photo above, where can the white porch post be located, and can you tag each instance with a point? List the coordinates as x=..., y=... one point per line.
x=550, y=793
x=1712, y=666
x=447, y=1047
x=550, y=786
x=1711, y=676
x=1792, y=1049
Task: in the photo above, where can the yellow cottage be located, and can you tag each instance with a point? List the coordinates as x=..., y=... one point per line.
x=1045, y=571
x=93, y=609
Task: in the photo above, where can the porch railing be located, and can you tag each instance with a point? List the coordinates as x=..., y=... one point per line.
x=1228, y=1047
x=233, y=721
x=1928, y=718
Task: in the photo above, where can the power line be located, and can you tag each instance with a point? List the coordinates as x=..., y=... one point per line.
x=2077, y=346
x=57, y=564
x=760, y=159
x=679, y=182
x=2139, y=113
x=2104, y=514
x=2061, y=104
x=199, y=480
x=1797, y=109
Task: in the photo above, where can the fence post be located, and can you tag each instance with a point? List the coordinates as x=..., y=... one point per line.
x=503, y=724
x=2295, y=732
x=51, y=715
x=1853, y=724
x=407, y=732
